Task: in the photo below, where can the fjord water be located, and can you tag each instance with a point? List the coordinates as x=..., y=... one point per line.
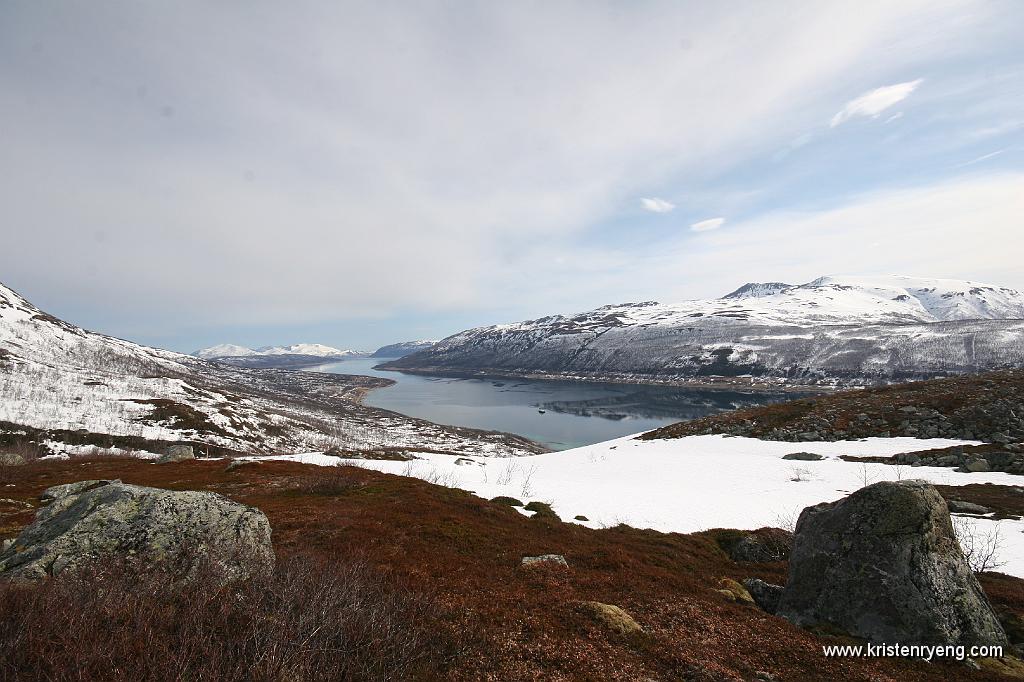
x=558, y=414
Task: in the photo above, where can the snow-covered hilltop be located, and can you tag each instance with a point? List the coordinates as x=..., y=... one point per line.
x=69, y=386
x=833, y=329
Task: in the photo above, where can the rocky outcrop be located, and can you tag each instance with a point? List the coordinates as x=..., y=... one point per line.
x=184, y=531
x=883, y=564
x=989, y=408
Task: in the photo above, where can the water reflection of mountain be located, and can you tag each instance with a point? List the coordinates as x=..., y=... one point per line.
x=661, y=403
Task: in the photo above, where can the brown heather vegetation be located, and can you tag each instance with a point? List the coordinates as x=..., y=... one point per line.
x=381, y=577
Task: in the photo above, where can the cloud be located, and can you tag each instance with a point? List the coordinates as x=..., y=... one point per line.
x=875, y=102
x=708, y=225
x=983, y=157
x=656, y=205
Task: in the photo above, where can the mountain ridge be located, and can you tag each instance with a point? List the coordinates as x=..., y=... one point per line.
x=833, y=329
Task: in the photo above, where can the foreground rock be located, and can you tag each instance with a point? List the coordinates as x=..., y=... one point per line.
x=185, y=531
x=883, y=564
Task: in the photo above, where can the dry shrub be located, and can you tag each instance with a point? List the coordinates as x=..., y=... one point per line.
x=326, y=481
x=310, y=619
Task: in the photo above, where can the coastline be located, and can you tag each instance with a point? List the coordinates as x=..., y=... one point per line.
x=712, y=383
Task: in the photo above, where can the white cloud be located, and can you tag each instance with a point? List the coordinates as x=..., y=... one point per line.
x=656, y=205
x=983, y=157
x=876, y=101
x=708, y=225
x=895, y=117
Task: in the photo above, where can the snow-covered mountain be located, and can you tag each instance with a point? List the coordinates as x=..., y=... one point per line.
x=70, y=387
x=849, y=329
x=403, y=348
x=230, y=350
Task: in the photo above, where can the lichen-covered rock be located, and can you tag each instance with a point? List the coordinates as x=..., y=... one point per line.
x=12, y=459
x=611, y=617
x=733, y=591
x=176, y=453
x=545, y=560
x=184, y=530
x=883, y=564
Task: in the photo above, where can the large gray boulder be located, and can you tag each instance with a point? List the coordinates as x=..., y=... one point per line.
x=185, y=531
x=883, y=564
x=176, y=453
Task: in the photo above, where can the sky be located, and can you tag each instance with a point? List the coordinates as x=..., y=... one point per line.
x=261, y=173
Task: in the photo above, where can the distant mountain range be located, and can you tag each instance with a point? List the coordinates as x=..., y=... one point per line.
x=833, y=330
x=230, y=350
x=301, y=355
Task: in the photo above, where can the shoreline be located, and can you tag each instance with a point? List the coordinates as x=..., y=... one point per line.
x=712, y=383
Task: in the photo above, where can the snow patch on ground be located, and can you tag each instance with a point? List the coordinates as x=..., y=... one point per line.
x=691, y=484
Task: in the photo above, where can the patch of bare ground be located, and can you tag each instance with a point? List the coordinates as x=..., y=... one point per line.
x=484, y=617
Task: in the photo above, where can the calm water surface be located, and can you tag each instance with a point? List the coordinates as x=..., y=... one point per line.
x=558, y=414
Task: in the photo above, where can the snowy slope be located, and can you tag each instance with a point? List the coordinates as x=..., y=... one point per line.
x=695, y=483
x=59, y=377
x=851, y=329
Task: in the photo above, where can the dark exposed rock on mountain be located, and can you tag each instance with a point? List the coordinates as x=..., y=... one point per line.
x=832, y=331
x=884, y=564
x=101, y=520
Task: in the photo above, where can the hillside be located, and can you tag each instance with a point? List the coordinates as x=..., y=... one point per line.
x=986, y=407
x=66, y=387
x=833, y=330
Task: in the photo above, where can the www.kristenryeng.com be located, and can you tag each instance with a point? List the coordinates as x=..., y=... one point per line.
x=926, y=652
